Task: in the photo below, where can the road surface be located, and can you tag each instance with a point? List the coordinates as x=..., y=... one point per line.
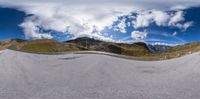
x=94, y=76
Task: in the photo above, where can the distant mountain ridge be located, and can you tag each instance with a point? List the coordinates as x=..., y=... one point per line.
x=138, y=49
x=158, y=48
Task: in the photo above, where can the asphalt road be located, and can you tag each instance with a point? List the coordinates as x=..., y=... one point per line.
x=94, y=76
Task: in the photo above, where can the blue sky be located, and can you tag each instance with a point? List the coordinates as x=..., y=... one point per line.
x=37, y=20
x=9, y=21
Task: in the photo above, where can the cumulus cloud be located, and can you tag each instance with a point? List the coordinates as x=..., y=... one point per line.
x=139, y=36
x=32, y=31
x=177, y=18
x=161, y=18
x=90, y=17
x=144, y=19
x=74, y=20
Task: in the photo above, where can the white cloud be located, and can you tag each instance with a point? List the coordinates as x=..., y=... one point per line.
x=144, y=3
x=174, y=34
x=161, y=18
x=138, y=36
x=76, y=20
x=178, y=17
x=183, y=26
x=82, y=17
x=144, y=19
x=187, y=25
x=32, y=32
x=121, y=26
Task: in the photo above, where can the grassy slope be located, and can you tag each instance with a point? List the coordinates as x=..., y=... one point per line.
x=139, y=50
x=39, y=46
x=181, y=50
x=49, y=46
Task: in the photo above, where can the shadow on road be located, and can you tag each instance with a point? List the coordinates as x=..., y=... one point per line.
x=70, y=58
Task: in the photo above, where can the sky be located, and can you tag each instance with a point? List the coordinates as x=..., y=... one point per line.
x=152, y=21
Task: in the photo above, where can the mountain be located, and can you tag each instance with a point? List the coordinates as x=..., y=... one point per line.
x=158, y=48
x=85, y=42
x=181, y=50
x=79, y=44
x=139, y=49
x=11, y=43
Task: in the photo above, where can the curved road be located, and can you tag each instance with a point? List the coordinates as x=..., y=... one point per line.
x=91, y=76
